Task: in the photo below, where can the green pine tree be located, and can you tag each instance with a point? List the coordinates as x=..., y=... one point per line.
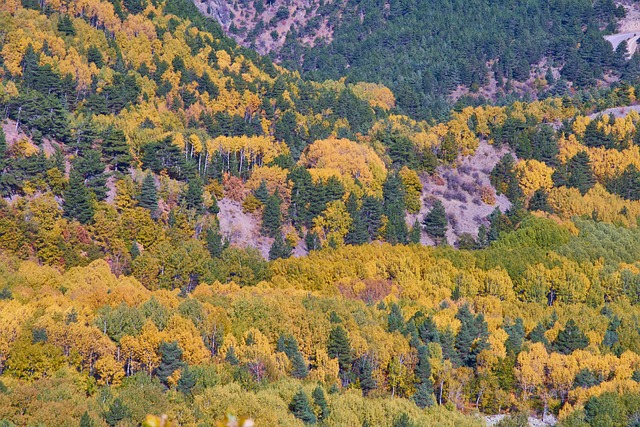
x=394, y=208
x=339, y=346
x=570, y=338
x=428, y=331
x=216, y=243
x=321, y=402
x=580, y=172
x=367, y=382
x=65, y=26
x=231, y=357
x=435, y=222
x=516, y=336
x=170, y=362
x=117, y=412
x=262, y=193
x=301, y=409
x=271, y=216
x=280, y=248
x=148, y=198
x=395, y=320
x=135, y=250
x=187, y=380
x=415, y=233
x=193, y=197
x=77, y=200
x=86, y=420
x=116, y=150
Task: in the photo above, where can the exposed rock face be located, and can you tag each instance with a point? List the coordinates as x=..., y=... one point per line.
x=263, y=25
x=216, y=9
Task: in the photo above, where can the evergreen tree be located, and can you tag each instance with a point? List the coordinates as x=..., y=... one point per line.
x=365, y=375
x=271, y=216
x=231, y=357
x=472, y=337
x=423, y=367
x=117, y=412
x=94, y=55
x=611, y=337
x=86, y=420
x=77, y=200
x=149, y=194
x=580, y=173
x=301, y=409
x=280, y=248
x=395, y=320
x=289, y=345
x=428, y=331
x=423, y=396
x=394, y=208
x=539, y=202
x=170, y=362
x=339, y=346
x=187, y=380
x=193, y=196
x=321, y=402
x=65, y=26
x=116, y=150
x=216, y=243
x=447, y=342
x=435, y=222
x=91, y=168
x=312, y=241
x=134, y=251
x=371, y=212
x=570, y=338
x=261, y=193
x=537, y=335
x=516, y=336
x=415, y=233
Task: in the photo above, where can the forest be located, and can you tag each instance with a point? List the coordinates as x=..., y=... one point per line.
x=129, y=127
x=425, y=53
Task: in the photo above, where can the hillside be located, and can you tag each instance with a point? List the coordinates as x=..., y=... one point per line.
x=431, y=56
x=188, y=229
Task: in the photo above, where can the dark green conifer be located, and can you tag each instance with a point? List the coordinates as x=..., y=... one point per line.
x=86, y=420
x=77, y=200
x=570, y=338
x=271, y=216
x=231, y=357
x=117, y=412
x=395, y=320
x=367, y=382
x=134, y=251
x=116, y=150
x=187, y=380
x=516, y=336
x=394, y=208
x=280, y=248
x=301, y=409
x=321, y=402
x=170, y=362
x=580, y=172
x=415, y=233
x=216, y=243
x=537, y=335
x=435, y=222
x=149, y=194
x=65, y=26
x=261, y=193
x=193, y=197
x=428, y=331
x=339, y=346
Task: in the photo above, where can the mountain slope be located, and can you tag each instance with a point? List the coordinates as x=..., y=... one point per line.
x=423, y=52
